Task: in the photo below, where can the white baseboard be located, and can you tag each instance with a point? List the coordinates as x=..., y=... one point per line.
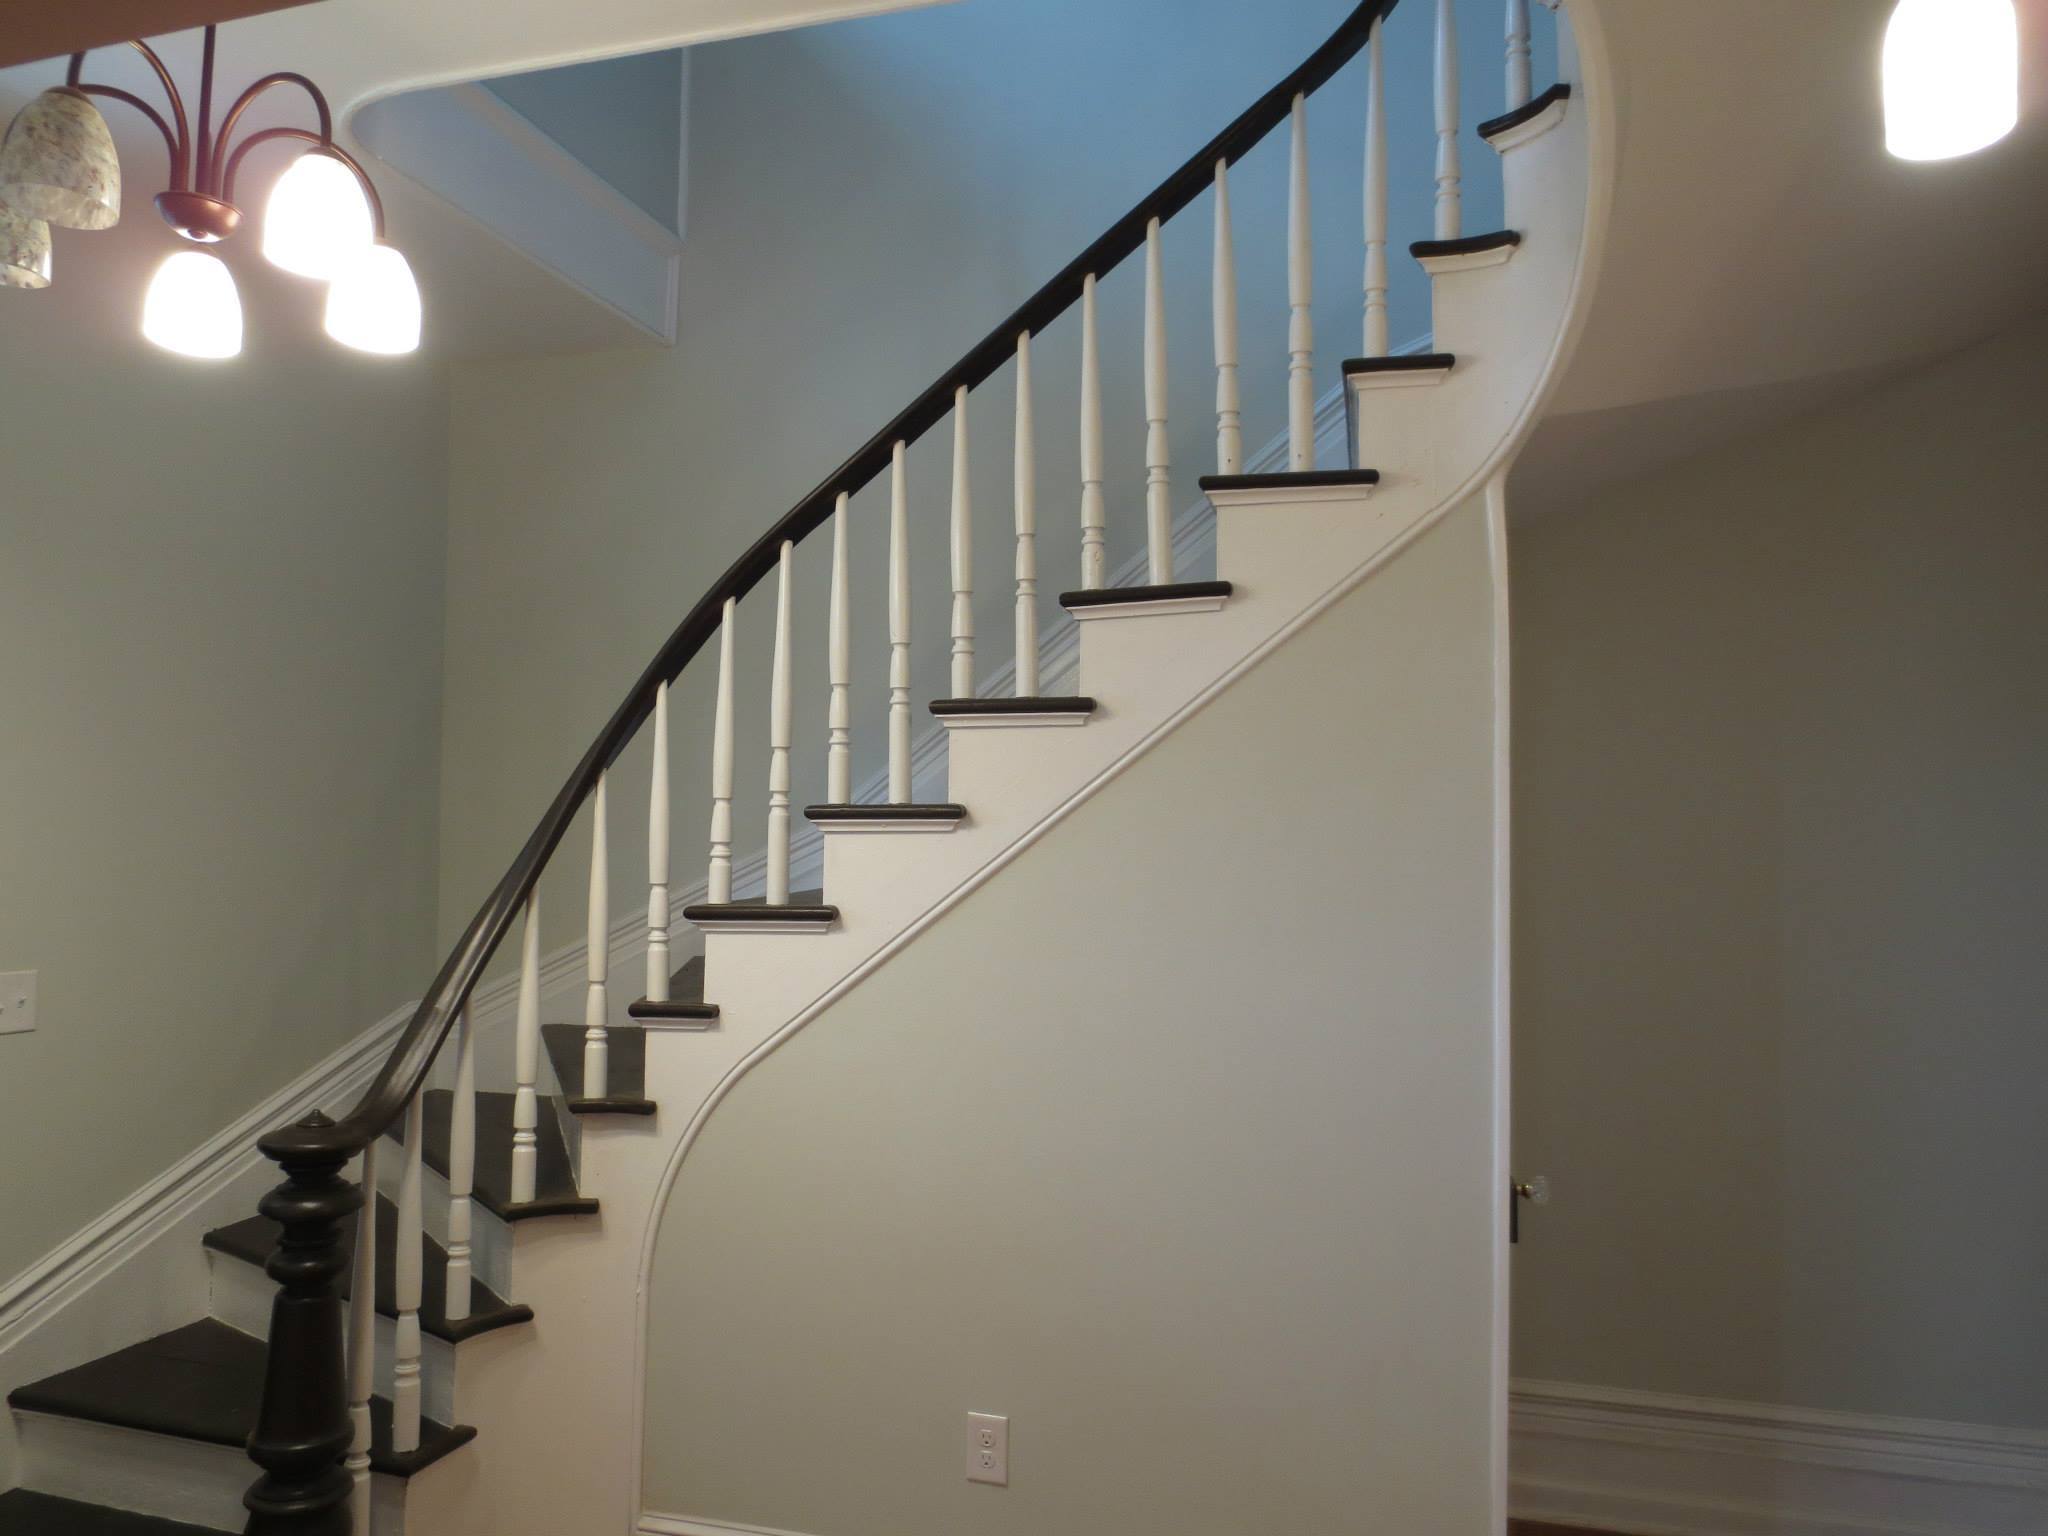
x=652, y=1524
x=1657, y=1465
x=1660, y=1465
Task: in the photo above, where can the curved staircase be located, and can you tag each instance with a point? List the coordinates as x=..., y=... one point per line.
x=486, y=1377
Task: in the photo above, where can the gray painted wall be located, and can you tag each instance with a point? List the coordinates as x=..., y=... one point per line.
x=868, y=199
x=1781, y=854
x=1214, y=1231
x=220, y=676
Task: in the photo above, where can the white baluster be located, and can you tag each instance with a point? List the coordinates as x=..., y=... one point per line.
x=657, y=856
x=718, y=883
x=1520, y=87
x=1223, y=309
x=1094, y=516
x=963, y=555
x=1026, y=498
x=1158, y=461
x=1301, y=370
x=1449, y=199
x=406, y=1263
x=839, y=719
x=598, y=946
x=526, y=1060
x=461, y=1168
x=1376, y=343
x=778, y=736
x=899, y=631
x=362, y=1345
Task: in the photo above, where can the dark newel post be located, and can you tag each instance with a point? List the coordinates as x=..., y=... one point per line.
x=304, y=1429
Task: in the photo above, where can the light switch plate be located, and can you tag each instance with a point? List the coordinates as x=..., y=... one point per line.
x=17, y=1002
x=988, y=1449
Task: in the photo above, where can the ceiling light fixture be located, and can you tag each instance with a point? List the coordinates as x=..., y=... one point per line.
x=324, y=219
x=1951, y=77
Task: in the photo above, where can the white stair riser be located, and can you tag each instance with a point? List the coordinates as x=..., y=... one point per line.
x=160, y=1475
x=490, y=1241
x=241, y=1297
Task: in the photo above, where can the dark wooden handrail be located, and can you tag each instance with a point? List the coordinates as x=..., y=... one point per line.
x=405, y=1070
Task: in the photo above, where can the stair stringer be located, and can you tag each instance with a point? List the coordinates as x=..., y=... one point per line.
x=559, y=1408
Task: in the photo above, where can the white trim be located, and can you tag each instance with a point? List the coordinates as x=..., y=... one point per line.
x=1208, y=603
x=68, y=1271
x=762, y=924
x=1502, y=1085
x=1534, y=128
x=1011, y=721
x=1396, y=378
x=652, y=1524
x=1261, y=497
x=1667, y=1465
x=836, y=827
x=1469, y=261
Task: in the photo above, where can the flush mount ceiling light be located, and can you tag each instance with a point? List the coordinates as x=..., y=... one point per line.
x=1951, y=77
x=324, y=219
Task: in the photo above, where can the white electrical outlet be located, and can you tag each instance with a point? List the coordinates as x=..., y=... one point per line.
x=988, y=1449
x=17, y=1002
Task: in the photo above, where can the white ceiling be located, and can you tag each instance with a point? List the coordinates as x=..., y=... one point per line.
x=483, y=298
x=1766, y=256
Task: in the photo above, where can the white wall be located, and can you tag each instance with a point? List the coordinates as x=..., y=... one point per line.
x=220, y=647
x=1212, y=1227
x=868, y=199
x=623, y=118
x=1781, y=851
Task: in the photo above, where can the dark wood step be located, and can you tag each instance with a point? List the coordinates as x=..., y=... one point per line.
x=625, y=1075
x=555, y=1179
x=203, y=1382
x=1298, y=479
x=1470, y=245
x=685, y=997
x=40, y=1514
x=1132, y=597
x=883, y=815
x=1494, y=127
x=1411, y=362
x=254, y=1240
x=803, y=909
x=958, y=709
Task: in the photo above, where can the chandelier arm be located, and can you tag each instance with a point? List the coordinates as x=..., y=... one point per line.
x=267, y=135
x=181, y=144
x=219, y=172
x=114, y=93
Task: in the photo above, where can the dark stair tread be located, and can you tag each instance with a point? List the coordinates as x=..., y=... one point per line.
x=554, y=1178
x=884, y=812
x=1061, y=705
x=802, y=907
x=23, y=1513
x=1495, y=126
x=625, y=1069
x=1286, y=481
x=254, y=1240
x=1470, y=245
x=1168, y=592
x=1409, y=362
x=203, y=1382
x=685, y=996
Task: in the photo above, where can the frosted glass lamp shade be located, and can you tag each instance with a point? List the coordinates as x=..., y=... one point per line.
x=373, y=304
x=58, y=163
x=318, y=220
x=1951, y=77
x=192, y=307
x=24, y=250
